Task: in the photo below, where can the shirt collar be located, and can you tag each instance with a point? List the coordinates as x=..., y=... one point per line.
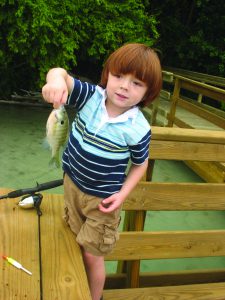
x=131, y=113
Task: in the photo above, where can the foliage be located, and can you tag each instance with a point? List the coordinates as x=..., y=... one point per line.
x=192, y=34
x=37, y=35
x=78, y=35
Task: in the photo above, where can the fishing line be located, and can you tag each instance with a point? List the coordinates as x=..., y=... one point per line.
x=40, y=253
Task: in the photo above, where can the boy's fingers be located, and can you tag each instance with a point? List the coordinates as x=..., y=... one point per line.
x=109, y=199
x=60, y=99
x=56, y=105
x=55, y=95
x=106, y=205
x=64, y=97
x=104, y=209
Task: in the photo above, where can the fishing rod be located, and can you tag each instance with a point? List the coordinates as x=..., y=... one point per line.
x=32, y=198
x=38, y=188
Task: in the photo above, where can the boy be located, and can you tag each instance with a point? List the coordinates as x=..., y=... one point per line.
x=109, y=129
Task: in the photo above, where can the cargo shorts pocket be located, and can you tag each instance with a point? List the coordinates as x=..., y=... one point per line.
x=109, y=238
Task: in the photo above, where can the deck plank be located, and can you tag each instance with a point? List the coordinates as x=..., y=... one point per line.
x=63, y=271
x=212, y=291
x=18, y=241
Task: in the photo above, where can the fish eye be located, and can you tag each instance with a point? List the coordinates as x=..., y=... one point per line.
x=62, y=122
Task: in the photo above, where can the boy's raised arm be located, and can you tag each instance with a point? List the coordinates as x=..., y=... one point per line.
x=114, y=201
x=58, y=85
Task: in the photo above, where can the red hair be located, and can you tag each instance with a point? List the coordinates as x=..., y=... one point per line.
x=140, y=61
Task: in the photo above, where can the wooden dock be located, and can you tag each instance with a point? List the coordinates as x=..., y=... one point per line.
x=46, y=247
x=173, y=109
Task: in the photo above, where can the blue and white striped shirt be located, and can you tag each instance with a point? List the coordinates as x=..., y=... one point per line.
x=100, y=147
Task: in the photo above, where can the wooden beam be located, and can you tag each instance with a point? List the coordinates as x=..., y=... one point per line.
x=188, y=135
x=201, y=88
x=18, y=241
x=211, y=291
x=180, y=123
x=165, y=95
x=176, y=196
x=181, y=277
x=147, y=279
x=169, y=244
x=209, y=171
x=167, y=76
x=211, y=79
x=174, y=101
x=187, y=151
x=203, y=113
x=63, y=271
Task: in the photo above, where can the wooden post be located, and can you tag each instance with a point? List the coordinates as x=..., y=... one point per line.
x=133, y=267
x=136, y=223
x=122, y=266
x=174, y=98
x=199, y=99
x=155, y=106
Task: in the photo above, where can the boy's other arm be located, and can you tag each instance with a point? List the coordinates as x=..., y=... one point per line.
x=135, y=174
x=58, y=85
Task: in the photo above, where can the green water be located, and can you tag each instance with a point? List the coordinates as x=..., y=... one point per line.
x=24, y=161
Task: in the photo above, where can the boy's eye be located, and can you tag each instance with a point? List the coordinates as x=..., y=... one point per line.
x=138, y=83
x=117, y=75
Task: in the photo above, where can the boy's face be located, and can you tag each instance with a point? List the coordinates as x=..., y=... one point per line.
x=124, y=91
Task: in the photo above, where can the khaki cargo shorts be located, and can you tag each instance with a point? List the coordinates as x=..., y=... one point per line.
x=95, y=231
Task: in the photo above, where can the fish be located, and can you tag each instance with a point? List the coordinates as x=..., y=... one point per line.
x=57, y=131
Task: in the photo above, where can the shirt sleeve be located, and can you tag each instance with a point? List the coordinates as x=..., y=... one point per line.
x=140, y=151
x=81, y=93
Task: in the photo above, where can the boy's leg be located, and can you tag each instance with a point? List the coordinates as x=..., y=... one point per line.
x=95, y=269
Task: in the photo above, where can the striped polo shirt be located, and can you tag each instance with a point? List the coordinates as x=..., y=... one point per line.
x=100, y=147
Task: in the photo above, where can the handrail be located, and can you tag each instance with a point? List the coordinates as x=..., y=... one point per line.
x=204, y=89
x=188, y=135
x=206, y=78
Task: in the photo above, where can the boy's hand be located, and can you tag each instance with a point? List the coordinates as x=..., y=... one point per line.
x=55, y=92
x=111, y=203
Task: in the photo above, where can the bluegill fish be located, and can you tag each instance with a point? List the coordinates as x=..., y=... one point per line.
x=57, y=129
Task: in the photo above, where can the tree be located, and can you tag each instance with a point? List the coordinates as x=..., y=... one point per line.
x=37, y=35
x=192, y=34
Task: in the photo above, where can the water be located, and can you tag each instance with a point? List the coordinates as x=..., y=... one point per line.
x=24, y=161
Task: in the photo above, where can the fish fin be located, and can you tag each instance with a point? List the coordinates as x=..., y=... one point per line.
x=54, y=162
x=45, y=144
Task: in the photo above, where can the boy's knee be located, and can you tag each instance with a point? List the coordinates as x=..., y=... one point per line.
x=90, y=258
x=92, y=261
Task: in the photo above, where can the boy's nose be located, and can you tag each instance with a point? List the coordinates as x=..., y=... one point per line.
x=124, y=84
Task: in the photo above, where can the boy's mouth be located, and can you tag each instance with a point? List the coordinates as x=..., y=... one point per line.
x=121, y=96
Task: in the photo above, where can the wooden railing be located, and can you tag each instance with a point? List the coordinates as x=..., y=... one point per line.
x=205, y=78
x=198, y=115
x=187, y=84
x=153, y=109
x=135, y=244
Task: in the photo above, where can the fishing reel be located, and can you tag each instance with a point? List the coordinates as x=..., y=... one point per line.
x=31, y=198
x=31, y=201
